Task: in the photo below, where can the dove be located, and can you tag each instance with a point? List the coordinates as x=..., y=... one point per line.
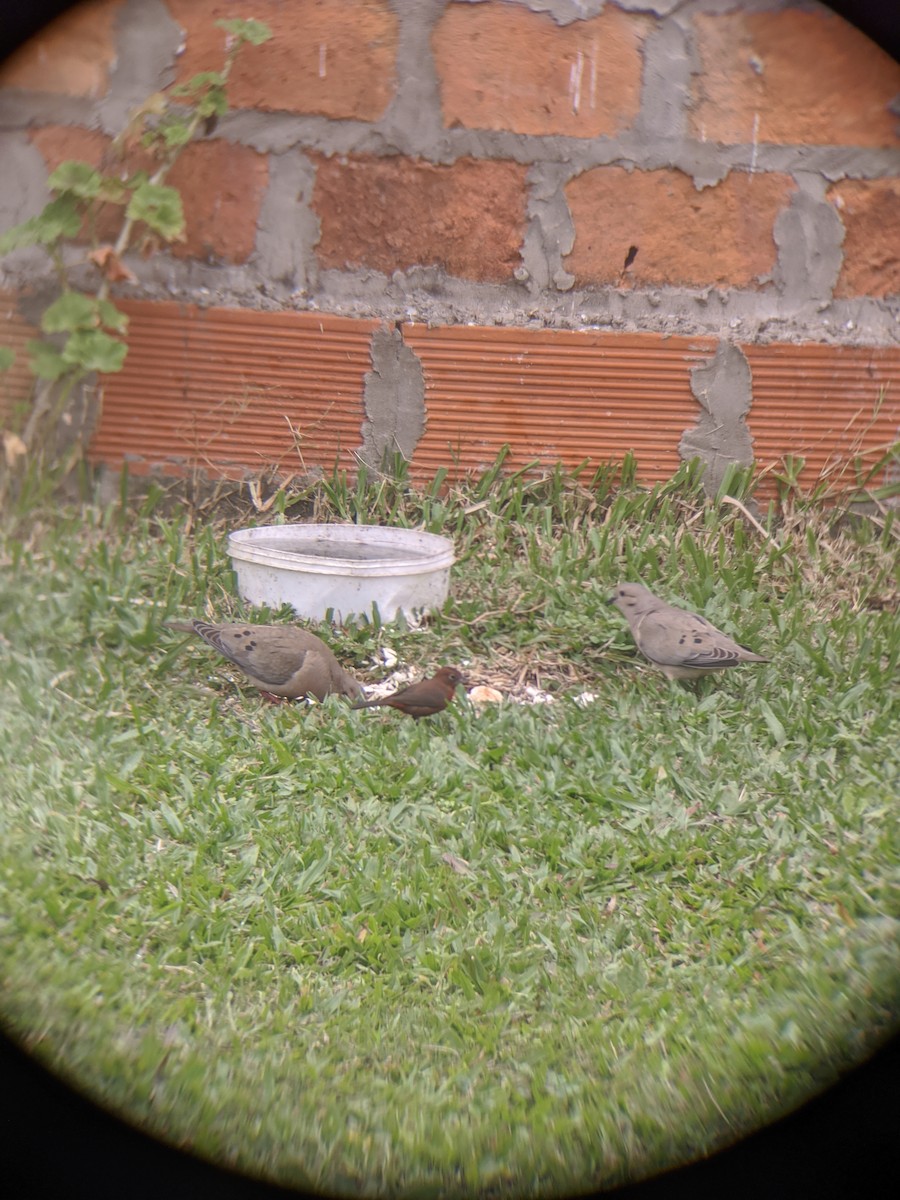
x=422, y=699
x=281, y=660
x=682, y=644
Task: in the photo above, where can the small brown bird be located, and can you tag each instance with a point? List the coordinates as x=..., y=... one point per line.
x=422, y=699
x=682, y=644
x=281, y=660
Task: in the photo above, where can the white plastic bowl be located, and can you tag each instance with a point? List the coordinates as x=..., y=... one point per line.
x=346, y=568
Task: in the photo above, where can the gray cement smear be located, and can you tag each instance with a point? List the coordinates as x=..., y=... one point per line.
x=723, y=389
x=394, y=400
x=288, y=229
x=665, y=84
x=147, y=41
x=22, y=193
x=809, y=235
x=413, y=118
x=550, y=234
x=795, y=304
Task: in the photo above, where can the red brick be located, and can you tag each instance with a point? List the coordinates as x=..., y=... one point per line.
x=16, y=383
x=554, y=395
x=870, y=211
x=72, y=55
x=503, y=67
x=792, y=77
x=334, y=58
x=257, y=380
x=60, y=142
x=235, y=391
x=221, y=185
x=721, y=236
x=395, y=213
x=837, y=407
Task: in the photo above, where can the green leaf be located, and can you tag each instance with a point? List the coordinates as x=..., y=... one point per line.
x=46, y=361
x=94, y=350
x=775, y=726
x=159, y=207
x=79, y=178
x=176, y=134
x=254, y=32
x=887, y=492
x=111, y=317
x=213, y=104
x=24, y=234
x=62, y=217
x=7, y=358
x=171, y=818
x=70, y=312
x=199, y=83
x=311, y=874
x=112, y=190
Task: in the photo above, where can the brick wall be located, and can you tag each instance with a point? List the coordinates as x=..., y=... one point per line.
x=581, y=229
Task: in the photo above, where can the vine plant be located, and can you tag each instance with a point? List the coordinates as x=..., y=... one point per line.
x=86, y=330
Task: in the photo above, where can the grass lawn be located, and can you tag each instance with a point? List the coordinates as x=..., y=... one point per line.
x=513, y=950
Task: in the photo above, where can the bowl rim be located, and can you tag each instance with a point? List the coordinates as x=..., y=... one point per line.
x=435, y=552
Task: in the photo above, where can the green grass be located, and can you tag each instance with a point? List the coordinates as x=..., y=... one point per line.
x=515, y=950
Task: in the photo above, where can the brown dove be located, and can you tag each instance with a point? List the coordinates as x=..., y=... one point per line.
x=422, y=699
x=281, y=660
x=682, y=644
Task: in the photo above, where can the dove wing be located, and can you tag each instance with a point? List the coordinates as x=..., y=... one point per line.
x=673, y=638
x=270, y=653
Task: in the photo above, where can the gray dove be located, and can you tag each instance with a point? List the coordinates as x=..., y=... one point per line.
x=281, y=660
x=682, y=644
